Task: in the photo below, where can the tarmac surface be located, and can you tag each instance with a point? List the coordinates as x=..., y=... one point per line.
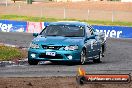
x=118, y=59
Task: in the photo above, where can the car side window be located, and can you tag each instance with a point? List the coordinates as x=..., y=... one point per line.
x=88, y=32
x=91, y=29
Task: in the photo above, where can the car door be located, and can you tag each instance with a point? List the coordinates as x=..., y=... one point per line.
x=96, y=42
x=89, y=47
x=92, y=46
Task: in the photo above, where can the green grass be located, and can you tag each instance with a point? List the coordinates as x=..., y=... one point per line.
x=9, y=53
x=43, y=19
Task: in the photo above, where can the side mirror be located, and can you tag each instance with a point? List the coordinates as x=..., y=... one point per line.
x=35, y=34
x=91, y=37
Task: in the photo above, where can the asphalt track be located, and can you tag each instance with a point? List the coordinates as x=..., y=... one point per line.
x=118, y=59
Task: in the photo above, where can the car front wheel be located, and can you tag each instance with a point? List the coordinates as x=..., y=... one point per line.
x=98, y=60
x=33, y=62
x=83, y=57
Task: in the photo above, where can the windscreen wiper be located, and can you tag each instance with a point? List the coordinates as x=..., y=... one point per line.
x=54, y=35
x=71, y=36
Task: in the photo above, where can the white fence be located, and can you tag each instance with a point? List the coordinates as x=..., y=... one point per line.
x=82, y=14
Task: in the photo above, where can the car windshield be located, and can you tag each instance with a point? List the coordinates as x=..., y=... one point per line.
x=63, y=30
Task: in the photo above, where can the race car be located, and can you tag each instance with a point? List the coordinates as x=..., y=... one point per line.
x=67, y=41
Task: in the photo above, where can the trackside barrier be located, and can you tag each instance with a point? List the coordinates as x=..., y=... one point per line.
x=36, y=27
x=115, y=31
x=21, y=26
x=13, y=26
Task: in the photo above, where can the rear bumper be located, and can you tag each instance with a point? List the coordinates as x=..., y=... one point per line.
x=61, y=55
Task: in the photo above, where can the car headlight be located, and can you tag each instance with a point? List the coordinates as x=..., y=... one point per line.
x=71, y=48
x=35, y=46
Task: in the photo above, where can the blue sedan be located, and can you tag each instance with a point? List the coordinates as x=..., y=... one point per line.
x=67, y=41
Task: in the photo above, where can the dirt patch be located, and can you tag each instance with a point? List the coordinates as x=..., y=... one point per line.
x=110, y=11
x=53, y=82
x=120, y=6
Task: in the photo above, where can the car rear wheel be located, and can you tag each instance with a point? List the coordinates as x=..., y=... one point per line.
x=33, y=62
x=103, y=50
x=83, y=57
x=98, y=60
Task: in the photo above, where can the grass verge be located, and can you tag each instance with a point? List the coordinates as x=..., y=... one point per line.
x=10, y=53
x=43, y=19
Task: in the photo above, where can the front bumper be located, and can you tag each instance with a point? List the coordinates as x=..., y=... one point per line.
x=61, y=55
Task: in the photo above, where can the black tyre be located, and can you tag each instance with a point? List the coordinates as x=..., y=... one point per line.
x=103, y=50
x=33, y=62
x=83, y=57
x=98, y=60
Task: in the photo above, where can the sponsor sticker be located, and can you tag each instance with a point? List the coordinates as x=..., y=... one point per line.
x=83, y=78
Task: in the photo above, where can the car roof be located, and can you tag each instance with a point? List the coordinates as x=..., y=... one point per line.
x=77, y=23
